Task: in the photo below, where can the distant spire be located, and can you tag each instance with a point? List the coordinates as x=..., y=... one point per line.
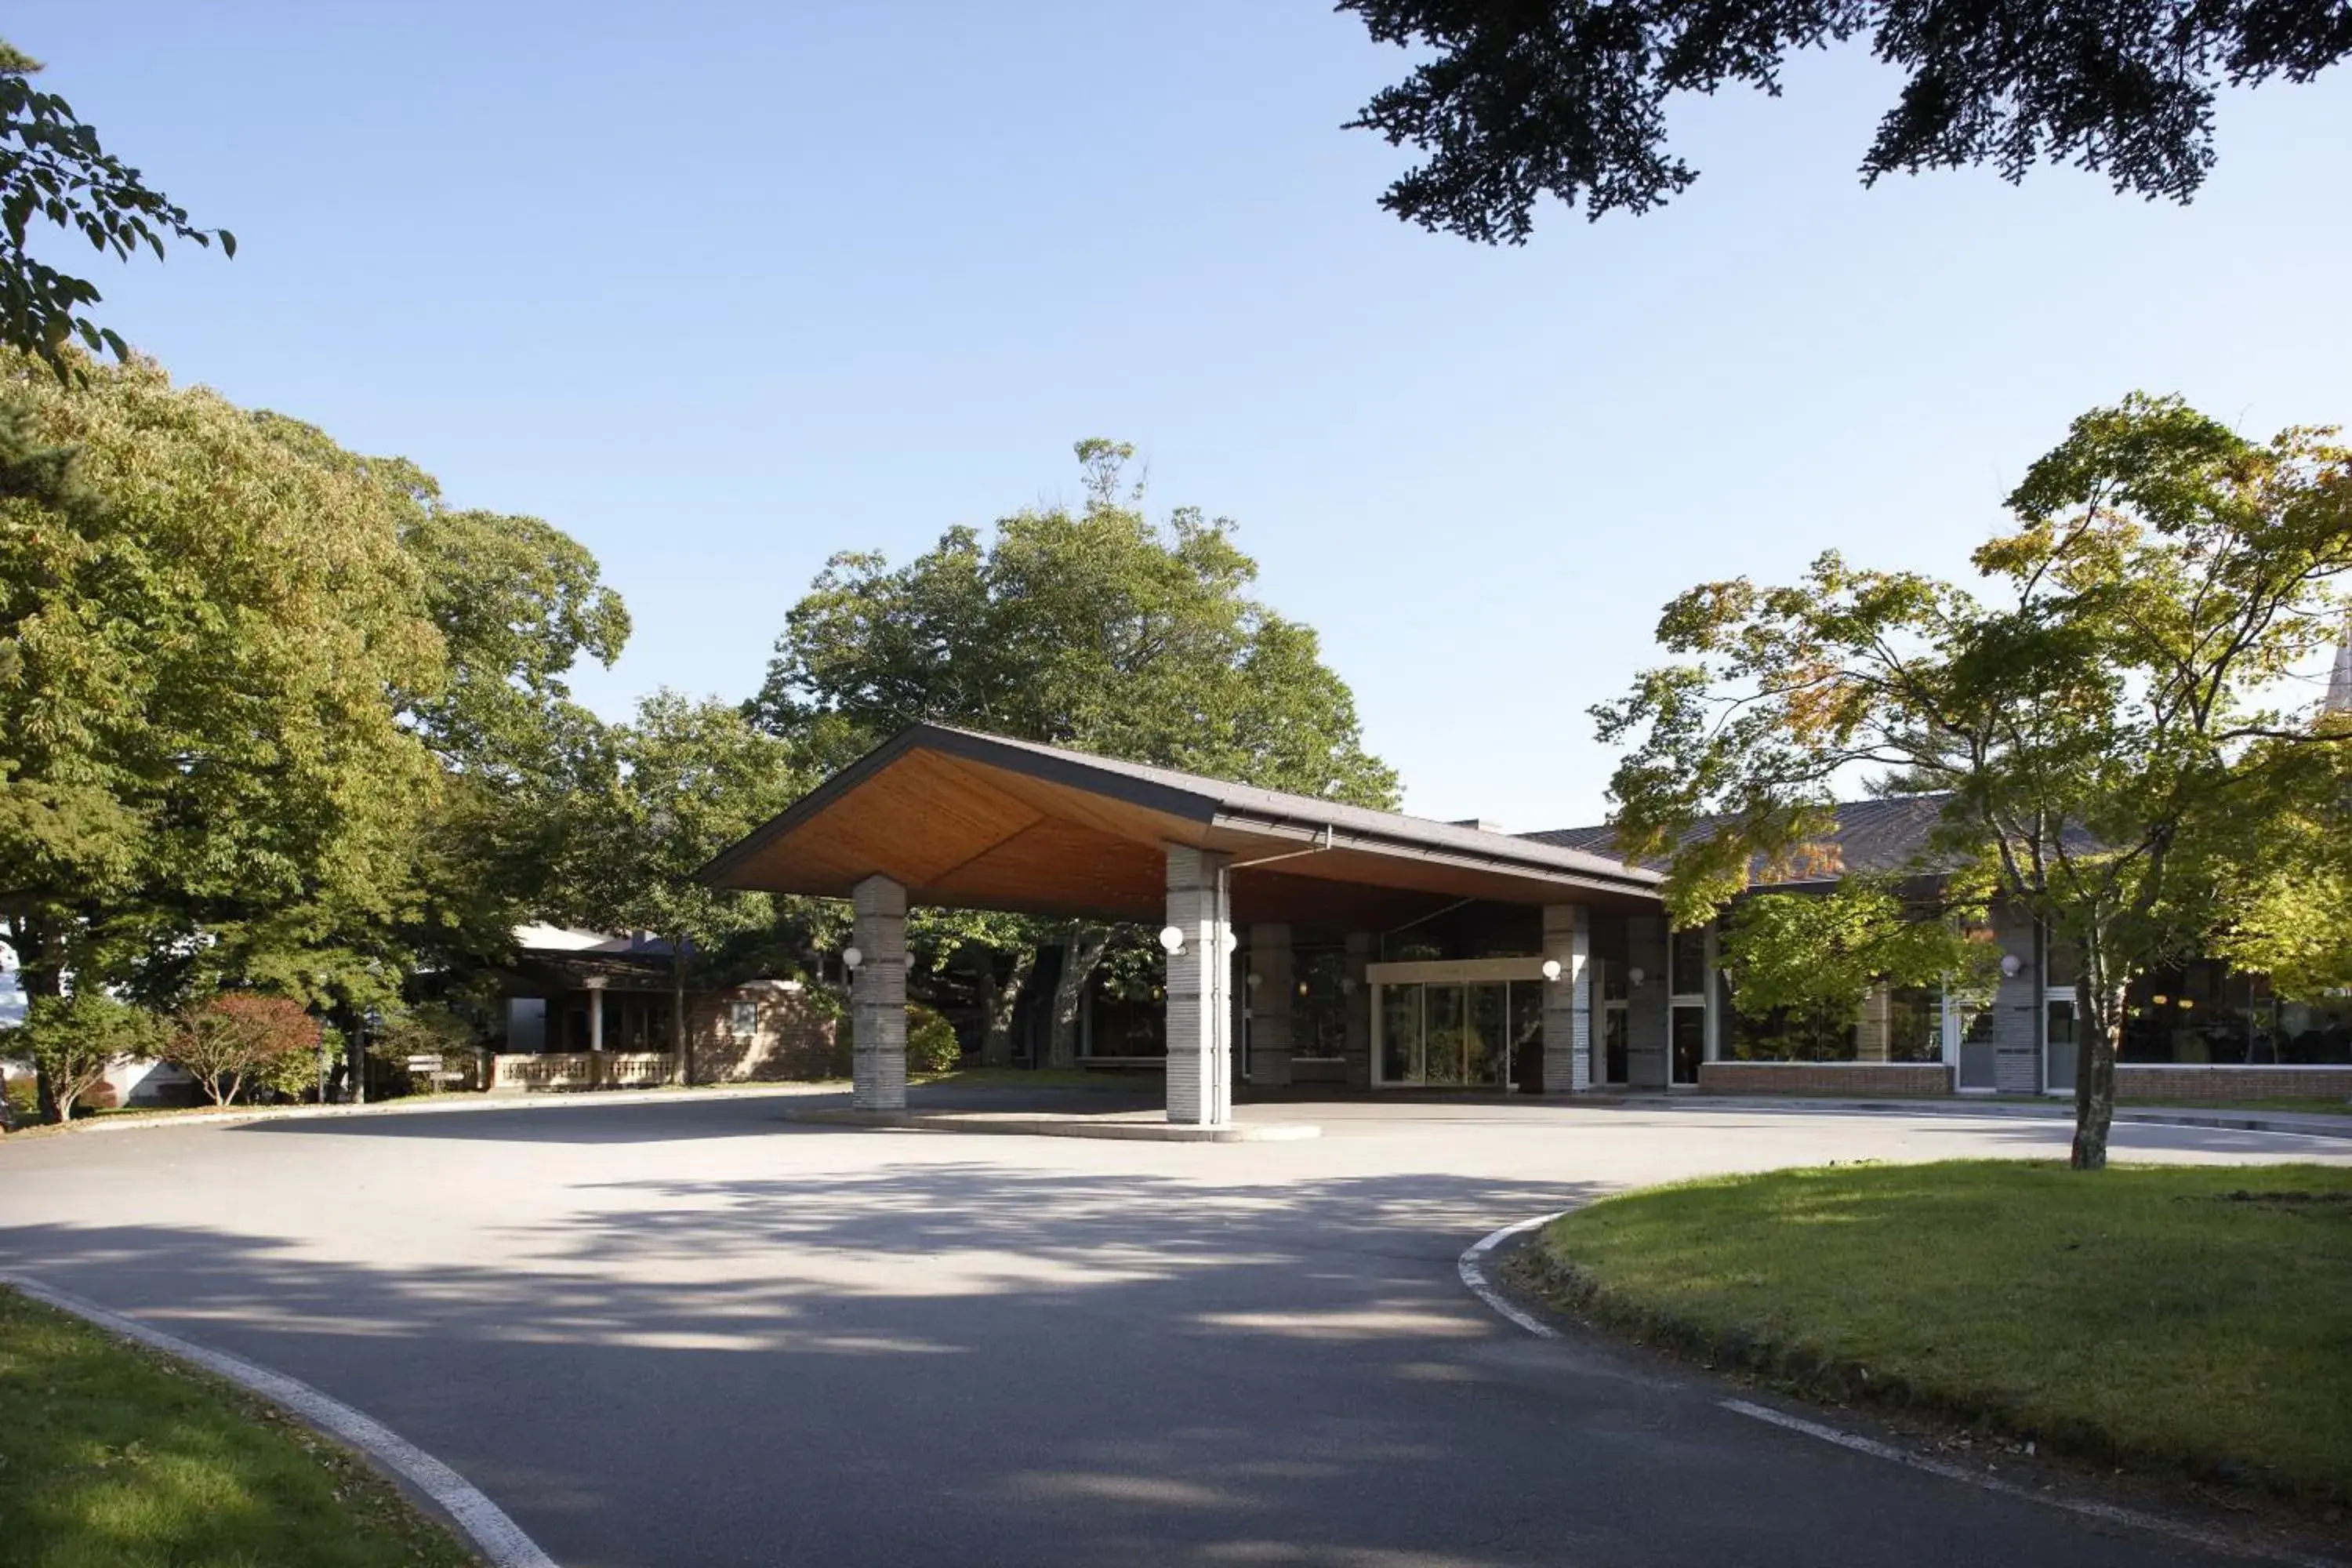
x=2339, y=680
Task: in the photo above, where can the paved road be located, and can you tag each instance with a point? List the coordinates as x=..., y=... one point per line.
x=687, y=1332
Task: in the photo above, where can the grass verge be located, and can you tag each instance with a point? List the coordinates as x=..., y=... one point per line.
x=2170, y=1318
x=114, y=1456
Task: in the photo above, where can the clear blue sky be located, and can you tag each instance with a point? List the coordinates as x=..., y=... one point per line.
x=723, y=288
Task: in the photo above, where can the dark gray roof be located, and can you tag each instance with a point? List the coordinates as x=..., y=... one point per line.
x=1872, y=836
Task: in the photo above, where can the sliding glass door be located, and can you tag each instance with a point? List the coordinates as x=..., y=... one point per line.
x=1465, y=1035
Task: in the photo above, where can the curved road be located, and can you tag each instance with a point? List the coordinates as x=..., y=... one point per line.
x=686, y=1331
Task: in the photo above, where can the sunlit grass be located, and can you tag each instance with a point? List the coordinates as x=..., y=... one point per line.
x=114, y=1458
x=2190, y=1318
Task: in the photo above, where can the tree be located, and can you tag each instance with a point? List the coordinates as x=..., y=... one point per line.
x=1092, y=628
x=240, y=1037
x=681, y=782
x=2109, y=730
x=52, y=167
x=206, y=633
x=72, y=1040
x=1569, y=97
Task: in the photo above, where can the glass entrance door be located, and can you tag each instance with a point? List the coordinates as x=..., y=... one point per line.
x=1460, y=1036
x=2058, y=1067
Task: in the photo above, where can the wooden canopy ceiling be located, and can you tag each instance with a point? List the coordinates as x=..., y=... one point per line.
x=971, y=821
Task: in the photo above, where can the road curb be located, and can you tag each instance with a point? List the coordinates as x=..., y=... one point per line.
x=481, y=1522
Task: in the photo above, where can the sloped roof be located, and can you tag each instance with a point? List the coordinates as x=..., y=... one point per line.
x=969, y=820
x=1871, y=836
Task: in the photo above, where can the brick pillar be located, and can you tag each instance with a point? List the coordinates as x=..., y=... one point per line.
x=1358, y=992
x=878, y=996
x=1200, y=991
x=1270, y=1003
x=1568, y=1001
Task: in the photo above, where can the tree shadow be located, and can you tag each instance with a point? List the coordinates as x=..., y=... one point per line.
x=947, y=1359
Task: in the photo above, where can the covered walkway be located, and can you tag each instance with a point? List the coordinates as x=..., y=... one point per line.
x=951, y=819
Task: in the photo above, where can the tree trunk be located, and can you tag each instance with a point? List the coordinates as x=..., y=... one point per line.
x=681, y=1042
x=2100, y=1009
x=1081, y=952
x=997, y=1002
x=40, y=973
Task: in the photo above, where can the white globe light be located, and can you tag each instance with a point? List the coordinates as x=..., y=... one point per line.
x=851, y=957
x=1551, y=969
x=1172, y=939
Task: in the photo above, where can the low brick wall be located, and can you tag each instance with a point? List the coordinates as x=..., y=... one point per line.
x=1836, y=1078
x=2152, y=1081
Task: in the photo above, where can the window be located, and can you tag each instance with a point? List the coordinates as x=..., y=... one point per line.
x=1690, y=961
x=742, y=1019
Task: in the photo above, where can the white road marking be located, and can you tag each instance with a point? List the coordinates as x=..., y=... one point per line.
x=1473, y=1267
x=499, y=1538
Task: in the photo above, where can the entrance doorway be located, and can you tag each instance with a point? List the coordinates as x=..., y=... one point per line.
x=1476, y=1023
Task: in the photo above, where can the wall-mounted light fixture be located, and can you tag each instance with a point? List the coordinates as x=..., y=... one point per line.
x=1302, y=988
x=2010, y=963
x=1551, y=969
x=1634, y=976
x=851, y=958
x=1253, y=980
x=1172, y=939
x=2159, y=1000
x=2186, y=1003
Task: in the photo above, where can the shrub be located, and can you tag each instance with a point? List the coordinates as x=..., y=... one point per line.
x=24, y=1100
x=931, y=1044
x=423, y=1031
x=74, y=1040
x=239, y=1038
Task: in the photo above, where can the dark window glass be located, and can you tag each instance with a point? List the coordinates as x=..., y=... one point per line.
x=1400, y=1034
x=1690, y=961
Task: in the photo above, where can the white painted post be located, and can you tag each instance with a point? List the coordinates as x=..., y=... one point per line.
x=1200, y=989
x=878, y=996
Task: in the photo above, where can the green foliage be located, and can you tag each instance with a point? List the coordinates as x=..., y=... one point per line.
x=930, y=1041
x=1095, y=629
x=1513, y=102
x=52, y=168
x=24, y=1098
x=2107, y=728
x=1818, y=954
x=72, y=1041
x=241, y=1039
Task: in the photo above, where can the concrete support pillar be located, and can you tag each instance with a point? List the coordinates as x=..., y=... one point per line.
x=1873, y=1031
x=877, y=994
x=595, y=1012
x=1568, y=1001
x=1200, y=989
x=1358, y=992
x=1647, y=1062
x=1272, y=999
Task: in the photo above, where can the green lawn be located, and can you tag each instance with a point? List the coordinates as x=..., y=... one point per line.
x=2164, y=1316
x=2314, y=1106
x=112, y=1456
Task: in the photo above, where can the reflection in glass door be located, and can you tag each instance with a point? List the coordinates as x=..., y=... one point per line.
x=1401, y=1034
x=1441, y=1035
x=2060, y=1069
x=1486, y=1042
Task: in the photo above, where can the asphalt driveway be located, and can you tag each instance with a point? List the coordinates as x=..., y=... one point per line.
x=688, y=1331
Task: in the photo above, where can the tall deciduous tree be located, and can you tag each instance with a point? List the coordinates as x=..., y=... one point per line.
x=2108, y=721
x=53, y=169
x=1092, y=627
x=1568, y=98
x=681, y=782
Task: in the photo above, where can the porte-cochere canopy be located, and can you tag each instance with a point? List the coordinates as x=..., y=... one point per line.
x=965, y=820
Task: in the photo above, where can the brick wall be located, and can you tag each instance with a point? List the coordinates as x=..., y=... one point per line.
x=1840, y=1078
x=2153, y=1082
x=794, y=1039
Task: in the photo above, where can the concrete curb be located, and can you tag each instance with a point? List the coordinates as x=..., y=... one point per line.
x=481, y=1522
x=1080, y=1126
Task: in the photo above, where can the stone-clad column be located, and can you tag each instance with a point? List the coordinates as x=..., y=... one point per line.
x=1200, y=990
x=1358, y=992
x=879, y=995
x=1568, y=1001
x=1271, y=1004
